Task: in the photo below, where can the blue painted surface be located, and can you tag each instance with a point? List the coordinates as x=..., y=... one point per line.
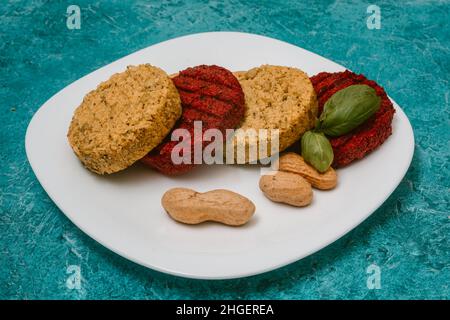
x=408, y=237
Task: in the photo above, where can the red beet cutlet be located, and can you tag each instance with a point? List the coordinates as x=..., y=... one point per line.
x=210, y=94
x=368, y=136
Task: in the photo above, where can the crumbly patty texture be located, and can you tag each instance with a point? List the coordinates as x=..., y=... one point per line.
x=210, y=94
x=124, y=118
x=276, y=97
x=369, y=135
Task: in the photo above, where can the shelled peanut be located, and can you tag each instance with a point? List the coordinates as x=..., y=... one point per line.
x=192, y=207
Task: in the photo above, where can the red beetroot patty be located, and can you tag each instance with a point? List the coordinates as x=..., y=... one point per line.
x=368, y=136
x=210, y=94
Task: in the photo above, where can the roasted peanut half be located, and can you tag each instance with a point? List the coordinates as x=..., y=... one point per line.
x=191, y=207
x=292, y=162
x=286, y=187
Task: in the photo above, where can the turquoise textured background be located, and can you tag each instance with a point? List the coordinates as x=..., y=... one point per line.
x=408, y=237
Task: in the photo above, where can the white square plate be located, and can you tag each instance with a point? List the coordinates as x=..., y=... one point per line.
x=123, y=211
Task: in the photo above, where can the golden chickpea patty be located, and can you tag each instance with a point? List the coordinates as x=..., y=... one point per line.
x=124, y=118
x=276, y=97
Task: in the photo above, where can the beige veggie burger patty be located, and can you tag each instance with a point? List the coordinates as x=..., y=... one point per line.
x=124, y=118
x=276, y=97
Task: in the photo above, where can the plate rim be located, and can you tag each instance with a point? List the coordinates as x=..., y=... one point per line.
x=319, y=244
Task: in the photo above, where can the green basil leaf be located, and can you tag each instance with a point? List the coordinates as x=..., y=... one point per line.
x=347, y=109
x=316, y=150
